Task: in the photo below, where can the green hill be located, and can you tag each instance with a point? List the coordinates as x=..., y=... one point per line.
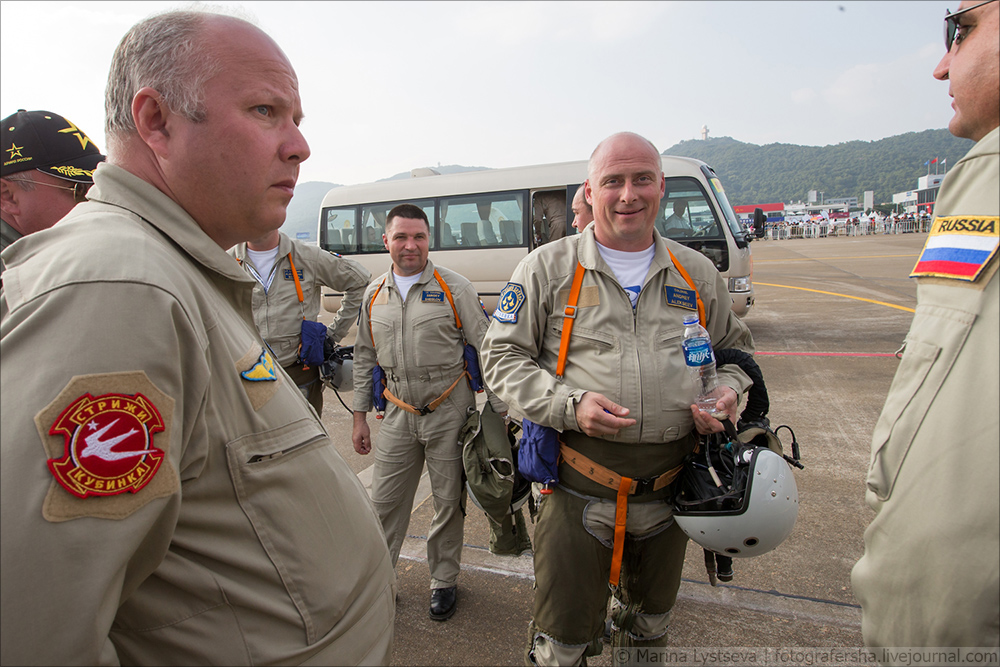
x=755, y=174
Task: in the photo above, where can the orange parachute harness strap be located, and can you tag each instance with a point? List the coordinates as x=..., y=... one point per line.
x=623, y=486
x=298, y=290
x=433, y=405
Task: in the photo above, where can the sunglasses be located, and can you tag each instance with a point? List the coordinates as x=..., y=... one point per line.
x=951, y=23
x=79, y=190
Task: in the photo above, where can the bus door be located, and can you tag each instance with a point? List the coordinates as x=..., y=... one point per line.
x=552, y=214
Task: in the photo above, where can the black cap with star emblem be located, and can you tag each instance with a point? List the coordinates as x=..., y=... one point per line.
x=46, y=141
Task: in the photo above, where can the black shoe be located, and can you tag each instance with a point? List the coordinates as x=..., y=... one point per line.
x=443, y=603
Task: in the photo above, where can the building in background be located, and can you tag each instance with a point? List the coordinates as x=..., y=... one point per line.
x=922, y=199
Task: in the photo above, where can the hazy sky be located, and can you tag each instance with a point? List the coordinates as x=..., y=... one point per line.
x=390, y=86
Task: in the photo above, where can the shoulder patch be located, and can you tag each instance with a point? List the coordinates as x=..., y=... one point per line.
x=958, y=247
x=509, y=303
x=107, y=438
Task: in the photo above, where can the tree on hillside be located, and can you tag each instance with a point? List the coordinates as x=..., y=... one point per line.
x=755, y=174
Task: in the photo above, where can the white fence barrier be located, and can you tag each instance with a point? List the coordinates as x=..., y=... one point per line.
x=812, y=230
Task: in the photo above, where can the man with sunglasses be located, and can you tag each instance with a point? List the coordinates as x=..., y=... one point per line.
x=48, y=166
x=929, y=573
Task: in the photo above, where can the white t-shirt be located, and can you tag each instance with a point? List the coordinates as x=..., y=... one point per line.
x=404, y=283
x=630, y=268
x=264, y=261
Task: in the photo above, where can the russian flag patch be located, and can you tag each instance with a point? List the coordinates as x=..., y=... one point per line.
x=959, y=247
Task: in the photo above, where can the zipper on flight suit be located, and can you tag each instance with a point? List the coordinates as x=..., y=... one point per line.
x=638, y=361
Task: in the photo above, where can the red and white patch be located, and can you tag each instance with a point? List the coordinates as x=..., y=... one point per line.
x=109, y=445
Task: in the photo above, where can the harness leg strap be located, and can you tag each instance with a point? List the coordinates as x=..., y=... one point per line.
x=621, y=513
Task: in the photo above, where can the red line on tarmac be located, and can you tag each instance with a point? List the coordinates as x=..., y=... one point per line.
x=826, y=354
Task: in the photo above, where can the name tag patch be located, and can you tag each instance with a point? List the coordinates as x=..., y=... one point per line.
x=959, y=247
x=680, y=297
x=510, y=302
x=433, y=297
x=288, y=274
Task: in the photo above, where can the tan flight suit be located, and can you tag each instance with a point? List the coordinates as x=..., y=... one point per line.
x=929, y=575
x=278, y=313
x=550, y=215
x=249, y=541
x=7, y=236
x=420, y=349
x=635, y=359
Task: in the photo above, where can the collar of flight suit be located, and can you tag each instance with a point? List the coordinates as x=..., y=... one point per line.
x=988, y=145
x=589, y=255
x=425, y=276
x=285, y=246
x=8, y=234
x=119, y=187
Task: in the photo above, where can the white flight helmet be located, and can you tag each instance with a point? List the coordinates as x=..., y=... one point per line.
x=337, y=371
x=739, y=503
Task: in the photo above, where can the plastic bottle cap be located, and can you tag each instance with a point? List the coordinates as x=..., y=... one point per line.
x=690, y=319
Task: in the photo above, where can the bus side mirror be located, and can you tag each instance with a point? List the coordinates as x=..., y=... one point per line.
x=759, y=222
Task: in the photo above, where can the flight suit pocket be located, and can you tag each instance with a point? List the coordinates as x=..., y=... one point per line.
x=671, y=378
x=593, y=358
x=384, y=339
x=436, y=339
x=305, y=542
x=922, y=371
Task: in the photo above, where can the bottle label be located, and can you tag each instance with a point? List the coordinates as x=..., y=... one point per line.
x=698, y=352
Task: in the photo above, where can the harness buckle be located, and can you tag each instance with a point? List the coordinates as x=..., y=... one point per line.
x=426, y=410
x=643, y=485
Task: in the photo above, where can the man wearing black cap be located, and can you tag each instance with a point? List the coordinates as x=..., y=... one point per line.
x=48, y=166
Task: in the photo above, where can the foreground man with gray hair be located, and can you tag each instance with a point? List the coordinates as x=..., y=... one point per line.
x=929, y=576
x=168, y=496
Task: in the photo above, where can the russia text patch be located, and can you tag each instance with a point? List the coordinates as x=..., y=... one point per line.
x=958, y=247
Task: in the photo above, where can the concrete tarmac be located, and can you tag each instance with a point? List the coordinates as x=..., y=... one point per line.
x=830, y=313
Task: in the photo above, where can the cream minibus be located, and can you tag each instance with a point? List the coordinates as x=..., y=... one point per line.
x=481, y=221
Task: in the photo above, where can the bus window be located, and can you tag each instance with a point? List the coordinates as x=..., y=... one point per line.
x=337, y=234
x=373, y=217
x=685, y=211
x=687, y=217
x=494, y=219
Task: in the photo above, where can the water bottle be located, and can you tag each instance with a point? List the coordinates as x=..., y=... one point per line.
x=700, y=362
